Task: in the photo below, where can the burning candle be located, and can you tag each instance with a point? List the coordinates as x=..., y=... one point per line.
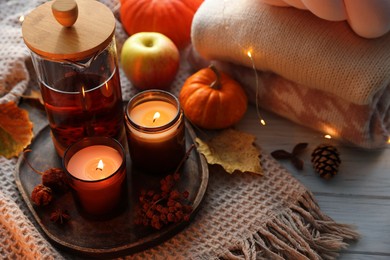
x=94, y=163
x=97, y=170
x=153, y=113
x=155, y=131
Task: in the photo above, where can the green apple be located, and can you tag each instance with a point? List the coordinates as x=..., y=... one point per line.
x=150, y=60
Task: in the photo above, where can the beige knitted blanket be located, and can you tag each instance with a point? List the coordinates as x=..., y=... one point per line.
x=327, y=77
x=243, y=216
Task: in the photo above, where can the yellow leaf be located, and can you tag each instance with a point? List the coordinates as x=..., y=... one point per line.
x=233, y=150
x=15, y=129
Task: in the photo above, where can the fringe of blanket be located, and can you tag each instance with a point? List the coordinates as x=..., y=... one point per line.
x=300, y=232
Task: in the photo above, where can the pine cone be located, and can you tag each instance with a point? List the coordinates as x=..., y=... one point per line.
x=326, y=160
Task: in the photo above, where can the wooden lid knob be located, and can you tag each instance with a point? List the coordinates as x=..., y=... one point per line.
x=65, y=12
x=93, y=31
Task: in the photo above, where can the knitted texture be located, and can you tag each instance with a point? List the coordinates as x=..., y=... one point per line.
x=14, y=75
x=377, y=12
x=365, y=126
x=295, y=45
x=247, y=216
x=323, y=75
x=242, y=215
x=19, y=238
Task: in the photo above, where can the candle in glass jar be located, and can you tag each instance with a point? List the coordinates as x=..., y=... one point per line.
x=155, y=131
x=94, y=163
x=97, y=170
x=153, y=113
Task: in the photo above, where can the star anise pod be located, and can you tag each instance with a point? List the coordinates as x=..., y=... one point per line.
x=293, y=156
x=60, y=216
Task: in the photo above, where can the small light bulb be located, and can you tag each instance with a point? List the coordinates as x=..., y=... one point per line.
x=262, y=121
x=249, y=54
x=21, y=18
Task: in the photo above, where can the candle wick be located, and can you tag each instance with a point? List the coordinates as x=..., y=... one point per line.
x=154, y=120
x=97, y=168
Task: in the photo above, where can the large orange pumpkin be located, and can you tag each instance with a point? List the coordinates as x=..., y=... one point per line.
x=172, y=18
x=212, y=100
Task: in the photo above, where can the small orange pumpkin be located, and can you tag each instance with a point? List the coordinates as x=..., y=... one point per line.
x=172, y=18
x=212, y=100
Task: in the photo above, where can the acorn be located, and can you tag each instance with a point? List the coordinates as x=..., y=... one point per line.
x=326, y=160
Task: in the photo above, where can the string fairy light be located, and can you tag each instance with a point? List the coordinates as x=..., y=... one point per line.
x=262, y=121
x=249, y=54
x=327, y=136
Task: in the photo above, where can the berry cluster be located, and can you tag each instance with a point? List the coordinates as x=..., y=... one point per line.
x=158, y=209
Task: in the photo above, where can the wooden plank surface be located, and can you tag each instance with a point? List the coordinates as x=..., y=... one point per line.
x=358, y=195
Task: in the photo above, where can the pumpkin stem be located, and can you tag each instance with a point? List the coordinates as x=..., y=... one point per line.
x=216, y=84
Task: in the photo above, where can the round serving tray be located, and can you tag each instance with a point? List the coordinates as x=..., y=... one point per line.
x=118, y=235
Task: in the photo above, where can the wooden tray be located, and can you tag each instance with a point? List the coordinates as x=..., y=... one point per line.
x=116, y=236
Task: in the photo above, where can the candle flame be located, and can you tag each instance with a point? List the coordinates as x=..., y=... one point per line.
x=100, y=165
x=156, y=116
x=388, y=140
x=21, y=18
x=249, y=54
x=328, y=136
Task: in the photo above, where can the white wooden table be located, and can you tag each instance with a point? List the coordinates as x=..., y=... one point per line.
x=359, y=194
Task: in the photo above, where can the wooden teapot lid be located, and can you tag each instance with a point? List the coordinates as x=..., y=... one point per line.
x=92, y=31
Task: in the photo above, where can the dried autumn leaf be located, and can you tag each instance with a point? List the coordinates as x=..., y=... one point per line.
x=298, y=163
x=293, y=156
x=299, y=148
x=281, y=154
x=15, y=129
x=233, y=150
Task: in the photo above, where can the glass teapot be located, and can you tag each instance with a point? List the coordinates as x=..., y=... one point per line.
x=74, y=55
